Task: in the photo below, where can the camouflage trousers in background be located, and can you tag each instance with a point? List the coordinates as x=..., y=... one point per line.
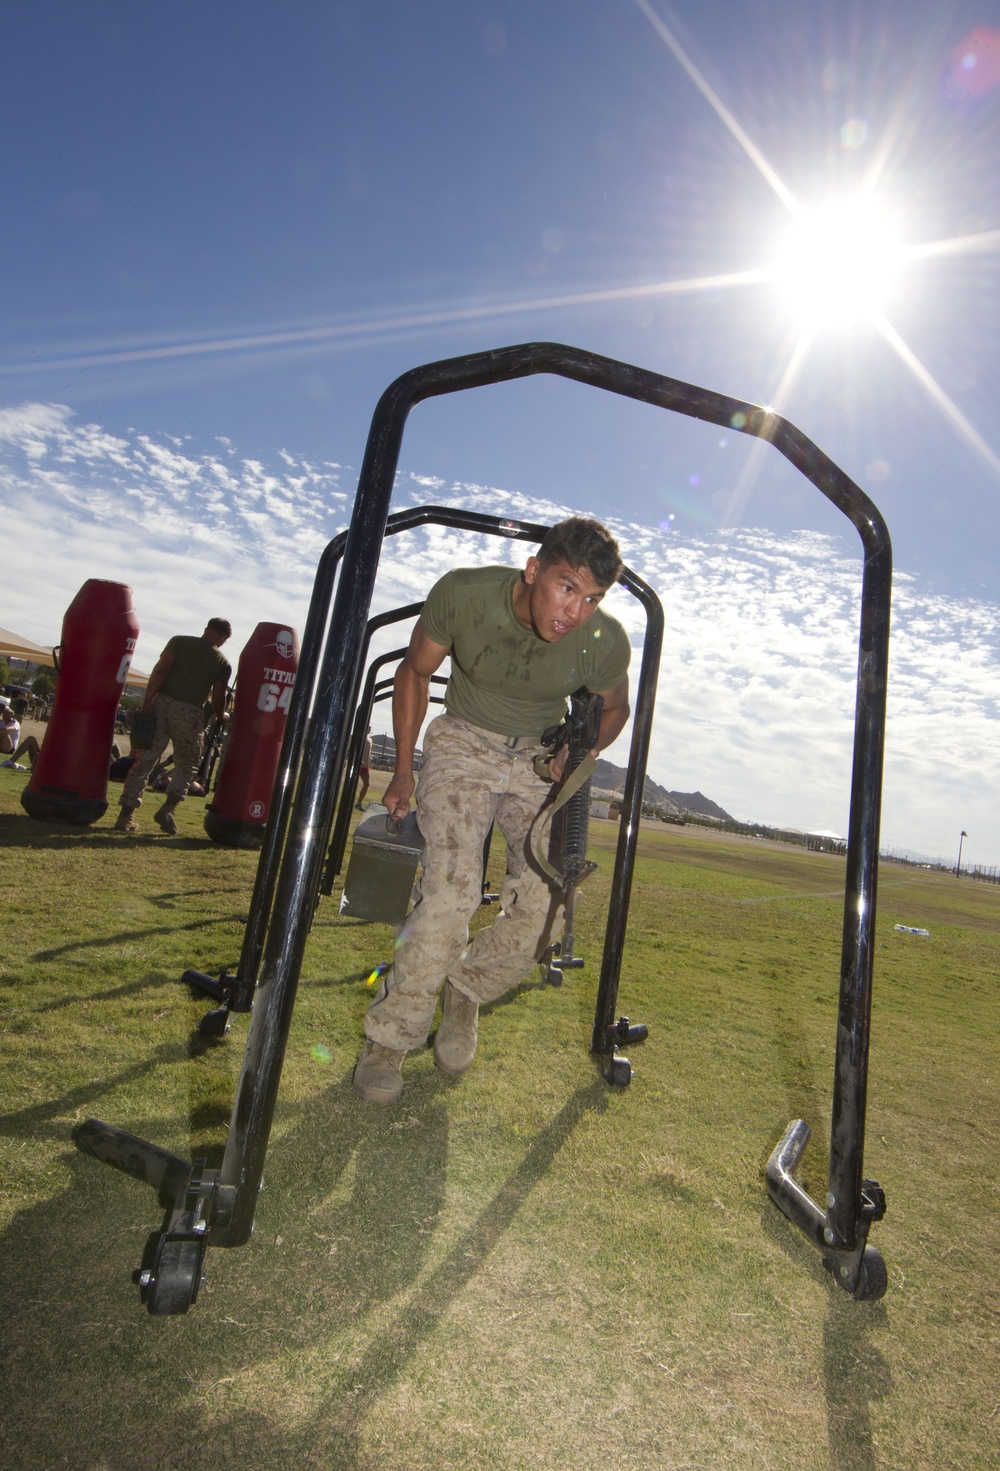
x=470, y=777
x=181, y=725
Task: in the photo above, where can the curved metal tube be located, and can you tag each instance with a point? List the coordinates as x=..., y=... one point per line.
x=786, y=1192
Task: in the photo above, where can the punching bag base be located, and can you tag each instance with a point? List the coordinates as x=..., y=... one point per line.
x=55, y=804
x=230, y=832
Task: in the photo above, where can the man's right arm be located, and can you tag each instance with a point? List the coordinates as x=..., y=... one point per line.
x=410, y=695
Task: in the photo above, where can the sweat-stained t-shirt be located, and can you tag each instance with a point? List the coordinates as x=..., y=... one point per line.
x=197, y=666
x=504, y=677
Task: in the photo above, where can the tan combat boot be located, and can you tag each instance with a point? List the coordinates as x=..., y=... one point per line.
x=378, y=1075
x=165, y=817
x=458, y=1033
x=126, y=823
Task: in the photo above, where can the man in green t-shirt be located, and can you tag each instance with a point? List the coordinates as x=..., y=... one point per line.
x=520, y=643
x=189, y=672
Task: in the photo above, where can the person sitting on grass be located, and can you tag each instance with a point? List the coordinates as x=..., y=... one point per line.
x=30, y=747
x=10, y=729
x=10, y=732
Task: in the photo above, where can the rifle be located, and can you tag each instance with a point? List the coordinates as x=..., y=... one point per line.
x=580, y=731
x=212, y=752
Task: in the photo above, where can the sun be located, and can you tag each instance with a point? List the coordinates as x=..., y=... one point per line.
x=837, y=266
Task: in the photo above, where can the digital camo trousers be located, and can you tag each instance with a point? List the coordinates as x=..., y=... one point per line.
x=181, y=725
x=469, y=779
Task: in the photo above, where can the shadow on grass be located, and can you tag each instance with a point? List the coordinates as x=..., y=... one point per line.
x=126, y=937
x=855, y=1372
x=384, y=1362
x=22, y=831
x=344, y=1233
x=794, y=1050
x=150, y=982
x=92, y=1381
x=169, y=899
x=24, y=1122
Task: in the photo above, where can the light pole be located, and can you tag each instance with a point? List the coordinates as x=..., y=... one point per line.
x=962, y=837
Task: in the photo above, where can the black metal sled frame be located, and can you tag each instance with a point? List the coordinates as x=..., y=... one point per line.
x=221, y=1206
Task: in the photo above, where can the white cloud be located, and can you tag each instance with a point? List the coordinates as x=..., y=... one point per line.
x=757, y=682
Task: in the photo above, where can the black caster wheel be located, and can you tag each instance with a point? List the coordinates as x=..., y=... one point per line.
x=618, y=1072
x=172, y=1285
x=873, y=1279
x=215, y=1023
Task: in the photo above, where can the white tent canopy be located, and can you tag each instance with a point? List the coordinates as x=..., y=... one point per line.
x=14, y=646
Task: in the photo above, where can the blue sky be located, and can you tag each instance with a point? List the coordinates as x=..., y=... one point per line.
x=230, y=226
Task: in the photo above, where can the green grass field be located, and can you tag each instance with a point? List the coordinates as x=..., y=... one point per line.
x=520, y=1269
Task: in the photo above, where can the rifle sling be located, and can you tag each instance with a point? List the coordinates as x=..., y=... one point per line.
x=538, y=835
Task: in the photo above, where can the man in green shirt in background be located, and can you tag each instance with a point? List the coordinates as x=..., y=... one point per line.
x=520, y=643
x=188, y=672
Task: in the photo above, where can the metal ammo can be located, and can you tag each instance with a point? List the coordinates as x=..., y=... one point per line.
x=382, y=869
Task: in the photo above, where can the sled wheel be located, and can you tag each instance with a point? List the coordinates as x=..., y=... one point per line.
x=873, y=1279
x=176, y=1277
x=618, y=1072
x=215, y=1023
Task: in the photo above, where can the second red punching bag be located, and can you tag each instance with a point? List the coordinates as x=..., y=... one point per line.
x=69, y=782
x=265, y=678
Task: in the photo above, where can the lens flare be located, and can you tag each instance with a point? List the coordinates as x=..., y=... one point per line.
x=838, y=265
x=973, y=69
x=854, y=134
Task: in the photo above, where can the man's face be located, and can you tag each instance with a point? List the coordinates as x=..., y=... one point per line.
x=560, y=597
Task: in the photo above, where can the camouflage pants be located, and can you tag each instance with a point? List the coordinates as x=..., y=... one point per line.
x=470, y=778
x=181, y=725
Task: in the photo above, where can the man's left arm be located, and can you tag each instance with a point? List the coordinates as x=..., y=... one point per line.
x=219, y=691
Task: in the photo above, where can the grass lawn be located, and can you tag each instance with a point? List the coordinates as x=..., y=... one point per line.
x=520, y=1269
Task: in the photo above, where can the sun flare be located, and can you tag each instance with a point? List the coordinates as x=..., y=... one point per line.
x=838, y=265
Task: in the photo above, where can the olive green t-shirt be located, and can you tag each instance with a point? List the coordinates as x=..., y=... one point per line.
x=503, y=676
x=197, y=666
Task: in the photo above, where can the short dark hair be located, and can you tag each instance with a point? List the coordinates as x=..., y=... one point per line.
x=581, y=542
x=221, y=625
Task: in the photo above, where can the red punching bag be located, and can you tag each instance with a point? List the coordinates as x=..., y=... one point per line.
x=70, y=780
x=265, y=678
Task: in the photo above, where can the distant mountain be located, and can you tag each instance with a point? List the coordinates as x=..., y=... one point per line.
x=703, y=806
x=610, y=780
